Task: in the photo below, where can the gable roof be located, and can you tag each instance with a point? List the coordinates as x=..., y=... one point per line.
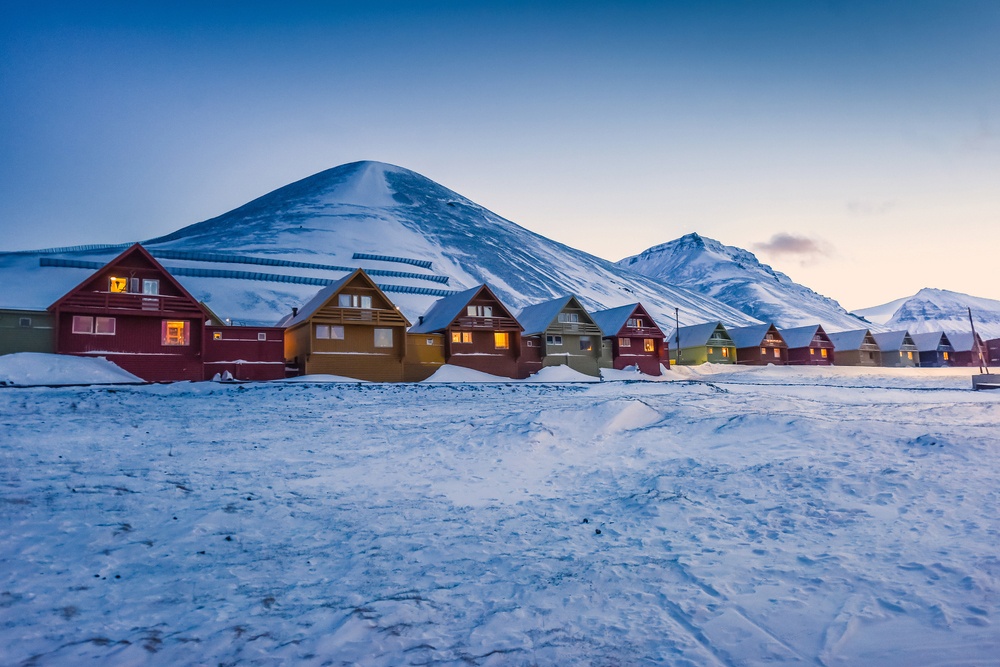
x=695, y=335
x=848, y=340
x=962, y=341
x=134, y=249
x=537, y=318
x=611, y=321
x=444, y=311
x=929, y=341
x=801, y=336
x=891, y=341
x=751, y=336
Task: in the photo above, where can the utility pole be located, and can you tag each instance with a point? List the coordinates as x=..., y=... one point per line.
x=975, y=343
x=677, y=335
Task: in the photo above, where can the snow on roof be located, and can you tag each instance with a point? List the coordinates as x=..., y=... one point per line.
x=612, y=320
x=444, y=311
x=318, y=300
x=929, y=341
x=848, y=340
x=961, y=341
x=537, y=318
x=751, y=336
x=695, y=335
x=800, y=336
x=891, y=341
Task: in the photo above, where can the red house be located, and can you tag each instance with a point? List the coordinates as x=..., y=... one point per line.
x=993, y=351
x=479, y=331
x=134, y=313
x=808, y=346
x=635, y=338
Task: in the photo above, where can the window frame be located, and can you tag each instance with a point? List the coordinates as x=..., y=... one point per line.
x=167, y=340
x=501, y=340
x=375, y=338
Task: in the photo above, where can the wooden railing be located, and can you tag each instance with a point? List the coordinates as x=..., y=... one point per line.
x=375, y=316
x=149, y=303
x=502, y=323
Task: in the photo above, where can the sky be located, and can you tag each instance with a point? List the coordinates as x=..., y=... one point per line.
x=854, y=146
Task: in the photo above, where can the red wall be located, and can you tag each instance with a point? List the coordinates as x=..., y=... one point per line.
x=799, y=356
x=242, y=353
x=481, y=354
x=635, y=355
x=530, y=361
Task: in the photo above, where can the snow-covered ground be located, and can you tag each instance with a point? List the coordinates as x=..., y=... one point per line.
x=722, y=517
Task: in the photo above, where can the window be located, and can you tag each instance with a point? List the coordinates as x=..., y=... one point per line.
x=725, y=352
x=624, y=342
x=354, y=301
x=823, y=353
x=649, y=345
x=569, y=317
x=479, y=311
x=586, y=344
x=24, y=322
x=83, y=324
x=323, y=331
x=909, y=355
x=150, y=286
x=460, y=337
x=216, y=335
x=530, y=343
x=133, y=285
x=429, y=341
x=635, y=322
x=117, y=284
x=176, y=332
x=946, y=356
x=105, y=326
x=763, y=351
x=261, y=335
x=812, y=352
x=501, y=340
x=553, y=340
x=383, y=337
x=777, y=353
x=337, y=332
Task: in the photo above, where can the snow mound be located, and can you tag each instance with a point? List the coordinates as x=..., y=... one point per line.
x=320, y=378
x=561, y=373
x=631, y=374
x=450, y=373
x=32, y=369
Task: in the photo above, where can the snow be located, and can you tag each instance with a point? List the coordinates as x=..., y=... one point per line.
x=932, y=310
x=27, y=369
x=731, y=516
x=560, y=373
x=452, y=373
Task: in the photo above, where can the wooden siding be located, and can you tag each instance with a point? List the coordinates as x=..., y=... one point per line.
x=240, y=351
x=424, y=355
x=531, y=359
x=762, y=355
x=908, y=357
x=482, y=354
x=993, y=351
x=634, y=354
x=26, y=331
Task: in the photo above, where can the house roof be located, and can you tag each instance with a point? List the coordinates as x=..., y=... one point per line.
x=929, y=342
x=751, y=336
x=322, y=297
x=444, y=311
x=891, y=341
x=612, y=321
x=797, y=337
x=537, y=318
x=962, y=341
x=695, y=335
x=844, y=341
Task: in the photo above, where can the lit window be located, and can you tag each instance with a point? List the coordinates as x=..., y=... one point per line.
x=763, y=351
x=118, y=285
x=176, y=332
x=383, y=337
x=909, y=355
x=649, y=345
x=635, y=322
x=823, y=352
x=900, y=354
x=946, y=356
x=725, y=351
x=586, y=344
x=812, y=352
x=553, y=340
x=261, y=335
x=479, y=311
x=323, y=331
x=501, y=340
x=83, y=324
x=777, y=353
x=151, y=286
x=461, y=337
x=624, y=342
x=104, y=326
x=569, y=317
x=216, y=335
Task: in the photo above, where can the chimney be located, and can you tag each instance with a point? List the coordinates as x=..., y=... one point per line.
x=295, y=311
x=420, y=320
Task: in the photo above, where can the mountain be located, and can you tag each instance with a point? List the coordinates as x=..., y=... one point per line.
x=938, y=310
x=735, y=277
x=418, y=239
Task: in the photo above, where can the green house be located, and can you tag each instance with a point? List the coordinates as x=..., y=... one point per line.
x=26, y=331
x=701, y=344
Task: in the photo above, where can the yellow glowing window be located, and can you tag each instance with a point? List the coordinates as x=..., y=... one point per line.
x=763, y=351
x=176, y=332
x=118, y=285
x=461, y=336
x=725, y=351
x=624, y=342
x=777, y=353
x=501, y=340
x=649, y=345
x=946, y=356
x=909, y=355
x=823, y=352
x=812, y=352
x=216, y=335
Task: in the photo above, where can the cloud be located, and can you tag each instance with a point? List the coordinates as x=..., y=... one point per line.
x=805, y=248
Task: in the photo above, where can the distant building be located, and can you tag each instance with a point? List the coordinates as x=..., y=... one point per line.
x=702, y=343
x=898, y=349
x=759, y=345
x=935, y=349
x=968, y=351
x=855, y=348
x=560, y=332
x=479, y=332
x=993, y=351
x=808, y=346
x=634, y=337
x=26, y=331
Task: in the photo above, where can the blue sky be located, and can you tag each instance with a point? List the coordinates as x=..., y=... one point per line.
x=855, y=146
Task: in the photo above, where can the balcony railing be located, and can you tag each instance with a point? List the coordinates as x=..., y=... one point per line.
x=375, y=316
x=148, y=303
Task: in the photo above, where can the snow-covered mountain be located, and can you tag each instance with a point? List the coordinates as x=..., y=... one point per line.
x=937, y=310
x=417, y=238
x=735, y=277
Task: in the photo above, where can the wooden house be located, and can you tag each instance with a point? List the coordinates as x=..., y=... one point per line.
x=855, y=348
x=967, y=351
x=246, y=353
x=708, y=342
x=560, y=332
x=635, y=339
x=134, y=313
x=935, y=349
x=479, y=331
x=424, y=355
x=350, y=328
x=759, y=345
x=897, y=349
x=993, y=351
x=24, y=330
x=808, y=346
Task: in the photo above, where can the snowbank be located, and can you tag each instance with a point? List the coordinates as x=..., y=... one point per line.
x=451, y=373
x=319, y=378
x=30, y=369
x=560, y=373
